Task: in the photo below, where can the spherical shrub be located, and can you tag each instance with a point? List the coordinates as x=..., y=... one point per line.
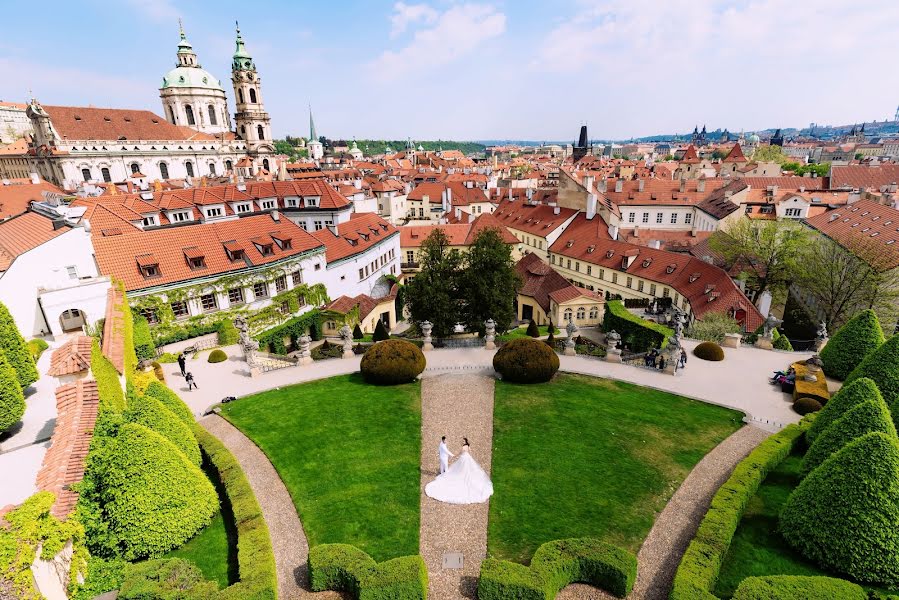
x=526, y=360
x=843, y=515
x=709, y=351
x=391, y=362
x=804, y=406
x=860, y=336
x=217, y=356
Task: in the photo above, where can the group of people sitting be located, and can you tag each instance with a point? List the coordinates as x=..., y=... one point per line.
x=655, y=359
x=782, y=377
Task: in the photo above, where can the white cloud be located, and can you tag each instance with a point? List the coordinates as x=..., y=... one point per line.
x=453, y=34
x=156, y=10
x=408, y=14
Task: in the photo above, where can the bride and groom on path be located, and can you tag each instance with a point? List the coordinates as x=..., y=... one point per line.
x=463, y=482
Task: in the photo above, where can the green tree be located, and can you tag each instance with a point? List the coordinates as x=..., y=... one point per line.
x=13, y=346
x=769, y=252
x=533, y=331
x=432, y=294
x=769, y=154
x=12, y=401
x=488, y=283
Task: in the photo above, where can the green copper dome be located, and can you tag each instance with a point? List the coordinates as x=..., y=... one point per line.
x=242, y=59
x=191, y=77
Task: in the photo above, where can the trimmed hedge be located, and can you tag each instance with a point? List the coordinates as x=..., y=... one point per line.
x=12, y=400
x=13, y=346
x=109, y=387
x=216, y=356
x=255, y=559
x=849, y=396
x=171, y=401
x=816, y=389
x=36, y=347
x=698, y=571
x=860, y=336
x=342, y=567
x=781, y=342
x=804, y=406
x=391, y=362
x=709, y=351
x=556, y=564
x=532, y=330
x=787, y=587
x=227, y=332
x=273, y=339
x=867, y=417
x=144, y=348
x=882, y=366
x=526, y=360
x=639, y=334
x=167, y=579
x=151, y=413
x=141, y=496
x=843, y=515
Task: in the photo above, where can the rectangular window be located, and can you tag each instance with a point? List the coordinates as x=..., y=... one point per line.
x=318, y=266
x=208, y=302
x=659, y=217
x=297, y=278
x=421, y=212
x=151, y=271
x=665, y=292
x=646, y=217
x=235, y=296
x=260, y=290
x=652, y=289
x=552, y=259
x=266, y=204
x=361, y=274
x=569, y=263
x=179, y=309
x=614, y=277
x=319, y=225
x=72, y=272
x=589, y=270
x=577, y=266
x=150, y=315
x=149, y=221
x=242, y=208
x=630, y=282
x=674, y=218
x=640, y=285
x=688, y=218
x=179, y=217
x=213, y=212
x=280, y=284
x=631, y=217
x=602, y=273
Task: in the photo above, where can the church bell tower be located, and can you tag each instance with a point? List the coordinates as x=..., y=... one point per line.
x=253, y=123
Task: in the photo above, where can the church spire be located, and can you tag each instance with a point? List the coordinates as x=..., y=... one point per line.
x=312, y=136
x=186, y=55
x=242, y=59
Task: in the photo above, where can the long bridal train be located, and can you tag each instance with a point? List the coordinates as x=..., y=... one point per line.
x=465, y=482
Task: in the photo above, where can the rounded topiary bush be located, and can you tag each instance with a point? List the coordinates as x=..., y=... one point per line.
x=881, y=366
x=217, y=356
x=533, y=331
x=804, y=406
x=526, y=360
x=860, y=336
x=849, y=396
x=391, y=362
x=797, y=586
x=12, y=400
x=843, y=515
x=151, y=413
x=171, y=401
x=709, y=351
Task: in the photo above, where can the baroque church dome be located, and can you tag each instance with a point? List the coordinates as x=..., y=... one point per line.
x=195, y=77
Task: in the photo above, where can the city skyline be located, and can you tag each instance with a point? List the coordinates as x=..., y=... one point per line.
x=475, y=71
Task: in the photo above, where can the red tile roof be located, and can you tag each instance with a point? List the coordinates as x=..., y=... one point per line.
x=72, y=357
x=366, y=303
x=361, y=232
x=735, y=155
x=434, y=192
x=542, y=283
x=76, y=407
x=866, y=223
x=89, y=123
x=16, y=198
x=862, y=176
x=690, y=155
x=22, y=233
x=654, y=265
x=540, y=219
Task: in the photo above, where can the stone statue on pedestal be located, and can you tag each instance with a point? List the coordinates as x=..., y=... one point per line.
x=248, y=345
x=426, y=327
x=490, y=334
x=346, y=336
x=613, y=352
x=821, y=337
x=572, y=330
x=305, y=356
x=766, y=340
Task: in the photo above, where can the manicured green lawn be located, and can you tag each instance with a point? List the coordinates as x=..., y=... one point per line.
x=349, y=453
x=521, y=332
x=581, y=456
x=757, y=548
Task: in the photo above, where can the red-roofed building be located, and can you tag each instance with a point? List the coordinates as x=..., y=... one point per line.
x=370, y=311
x=547, y=296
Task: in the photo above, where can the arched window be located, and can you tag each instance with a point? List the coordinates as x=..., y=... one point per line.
x=253, y=95
x=164, y=170
x=581, y=313
x=240, y=94
x=212, y=169
x=567, y=314
x=260, y=132
x=212, y=119
x=229, y=165
x=105, y=173
x=243, y=132
x=265, y=164
x=171, y=115
x=86, y=173
x=189, y=111
x=134, y=168
x=189, y=166
x=594, y=312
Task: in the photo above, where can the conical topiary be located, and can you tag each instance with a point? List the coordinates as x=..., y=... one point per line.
x=357, y=332
x=867, y=417
x=882, y=366
x=533, y=331
x=860, y=336
x=13, y=346
x=150, y=412
x=843, y=515
x=380, y=332
x=551, y=328
x=12, y=401
x=849, y=396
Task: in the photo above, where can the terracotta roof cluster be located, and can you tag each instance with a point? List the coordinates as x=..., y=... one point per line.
x=667, y=191
x=366, y=303
x=873, y=226
x=542, y=283
x=434, y=192
x=361, y=232
x=72, y=357
x=63, y=466
x=459, y=234
x=535, y=219
x=706, y=287
x=863, y=176
x=25, y=232
x=89, y=123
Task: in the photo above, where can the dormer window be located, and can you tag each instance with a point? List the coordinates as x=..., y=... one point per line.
x=284, y=243
x=243, y=207
x=610, y=253
x=213, y=212
x=148, y=265
x=352, y=241
x=265, y=249
x=180, y=216
x=311, y=200
x=149, y=221
x=708, y=288
x=590, y=249
x=670, y=268
x=364, y=236
x=569, y=244
x=268, y=204
x=646, y=262
x=234, y=250
x=195, y=258
x=694, y=277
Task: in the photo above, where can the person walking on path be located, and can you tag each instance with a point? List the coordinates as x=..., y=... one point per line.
x=191, y=384
x=182, y=364
x=683, y=358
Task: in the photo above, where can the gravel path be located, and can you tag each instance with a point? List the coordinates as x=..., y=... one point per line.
x=284, y=527
x=454, y=406
x=674, y=528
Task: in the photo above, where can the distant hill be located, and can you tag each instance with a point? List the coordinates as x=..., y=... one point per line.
x=371, y=147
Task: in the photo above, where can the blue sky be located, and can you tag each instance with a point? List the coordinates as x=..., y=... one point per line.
x=477, y=70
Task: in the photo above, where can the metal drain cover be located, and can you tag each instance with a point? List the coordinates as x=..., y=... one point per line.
x=452, y=560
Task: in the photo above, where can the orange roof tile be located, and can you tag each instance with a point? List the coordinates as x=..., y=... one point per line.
x=358, y=228
x=864, y=222
x=22, y=233
x=89, y=123
x=72, y=357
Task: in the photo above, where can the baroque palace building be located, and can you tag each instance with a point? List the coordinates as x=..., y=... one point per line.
x=73, y=145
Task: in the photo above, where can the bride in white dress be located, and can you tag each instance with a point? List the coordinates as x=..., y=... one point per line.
x=465, y=482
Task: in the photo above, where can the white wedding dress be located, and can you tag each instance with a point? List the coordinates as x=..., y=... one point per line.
x=465, y=482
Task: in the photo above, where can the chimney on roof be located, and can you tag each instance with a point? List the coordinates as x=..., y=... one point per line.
x=619, y=185
x=640, y=184
x=591, y=206
x=241, y=184
x=556, y=210
x=510, y=193
x=332, y=229
x=602, y=185
x=892, y=188
x=613, y=232
x=588, y=182
x=636, y=231
x=700, y=185
x=683, y=185
x=655, y=244
x=34, y=178
x=530, y=193
x=276, y=216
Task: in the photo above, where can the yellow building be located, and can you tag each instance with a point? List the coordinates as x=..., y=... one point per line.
x=547, y=296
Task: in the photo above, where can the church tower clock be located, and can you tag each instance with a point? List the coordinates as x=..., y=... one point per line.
x=253, y=123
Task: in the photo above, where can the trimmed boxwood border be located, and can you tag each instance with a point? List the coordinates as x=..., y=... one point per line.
x=699, y=568
x=557, y=564
x=346, y=568
x=639, y=333
x=255, y=558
